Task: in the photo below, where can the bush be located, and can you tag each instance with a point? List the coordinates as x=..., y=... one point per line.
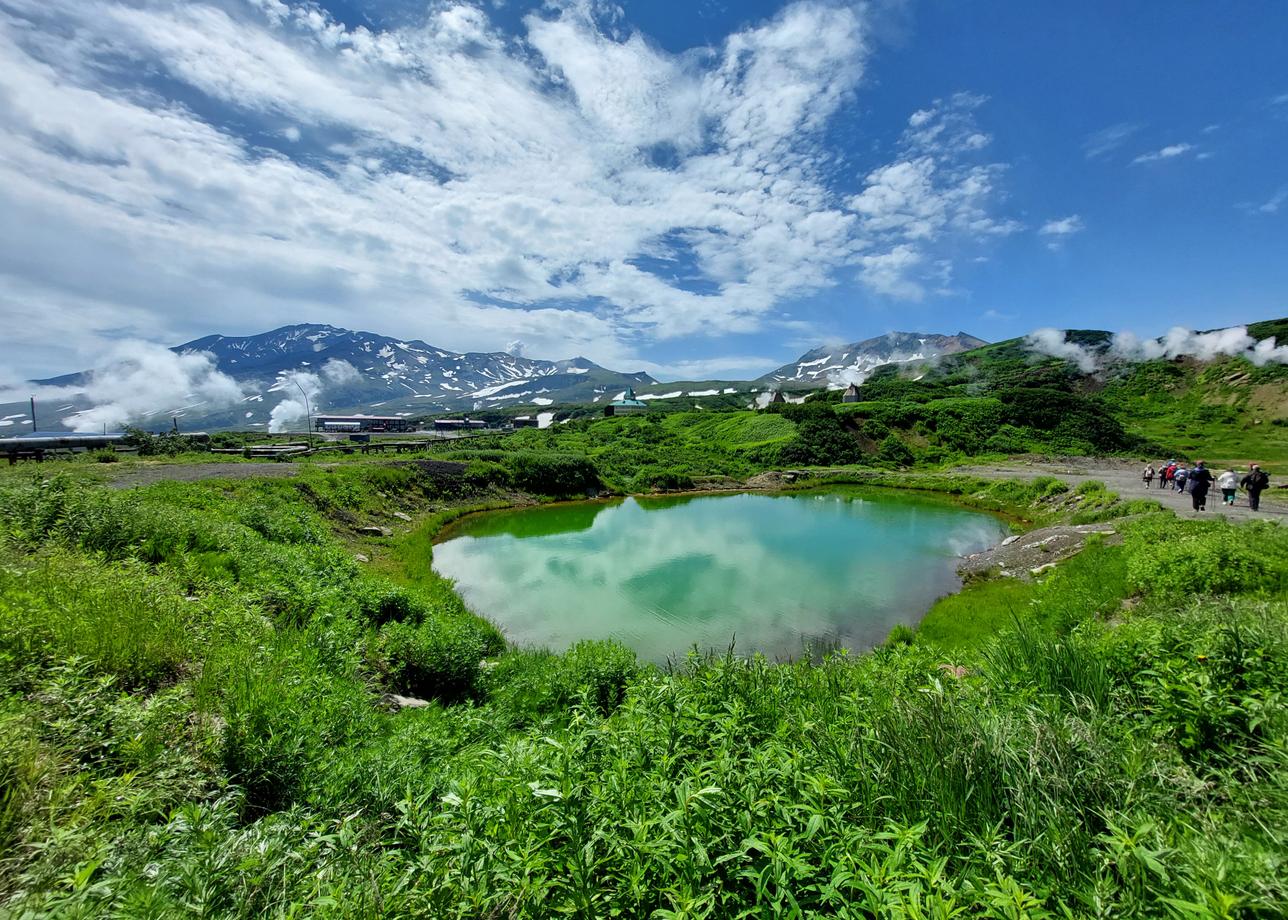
x=1174, y=559
x=667, y=480
x=434, y=659
x=597, y=672
x=483, y=474
x=558, y=475
x=892, y=450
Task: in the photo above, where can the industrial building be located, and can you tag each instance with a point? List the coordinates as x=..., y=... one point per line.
x=459, y=424
x=351, y=423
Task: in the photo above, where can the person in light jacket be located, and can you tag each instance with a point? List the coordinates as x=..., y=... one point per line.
x=1228, y=483
x=1148, y=475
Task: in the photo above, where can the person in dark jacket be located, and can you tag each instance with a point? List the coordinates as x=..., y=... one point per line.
x=1255, y=483
x=1200, y=480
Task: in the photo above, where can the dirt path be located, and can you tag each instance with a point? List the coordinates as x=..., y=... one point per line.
x=127, y=477
x=1123, y=477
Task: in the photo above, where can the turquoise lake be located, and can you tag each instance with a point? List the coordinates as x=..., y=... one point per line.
x=769, y=573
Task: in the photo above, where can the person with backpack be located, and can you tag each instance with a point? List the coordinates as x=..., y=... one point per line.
x=1179, y=478
x=1148, y=475
x=1228, y=483
x=1200, y=480
x=1256, y=482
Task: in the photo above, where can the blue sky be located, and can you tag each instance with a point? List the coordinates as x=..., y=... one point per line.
x=698, y=189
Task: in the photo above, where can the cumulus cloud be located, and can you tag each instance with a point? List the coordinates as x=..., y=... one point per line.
x=1060, y=229
x=933, y=191
x=139, y=381
x=1169, y=152
x=470, y=183
x=1178, y=342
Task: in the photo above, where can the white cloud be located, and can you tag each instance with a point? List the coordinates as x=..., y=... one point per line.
x=446, y=180
x=1275, y=201
x=1060, y=229
x=930, y=193
x=1165, y=153
x=1105, y=141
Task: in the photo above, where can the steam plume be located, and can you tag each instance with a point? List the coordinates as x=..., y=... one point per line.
x=140, y=380
x=1176, y=343
x=292, y=409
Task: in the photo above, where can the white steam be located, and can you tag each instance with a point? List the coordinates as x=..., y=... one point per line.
x=296, y=385
x=1178, y=342
x=137, y=381
x=1053, y=343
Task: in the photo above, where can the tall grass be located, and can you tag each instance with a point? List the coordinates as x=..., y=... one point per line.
x=193, y=721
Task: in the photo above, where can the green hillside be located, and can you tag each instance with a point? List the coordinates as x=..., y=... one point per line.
x=193, y=721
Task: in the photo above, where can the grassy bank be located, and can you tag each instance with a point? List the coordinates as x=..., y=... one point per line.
x=193, y=721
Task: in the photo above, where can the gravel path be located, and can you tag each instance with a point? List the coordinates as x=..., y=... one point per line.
x=127, y=477
x=1123, y=477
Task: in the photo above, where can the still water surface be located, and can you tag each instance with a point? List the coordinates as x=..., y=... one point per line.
x=768, y=572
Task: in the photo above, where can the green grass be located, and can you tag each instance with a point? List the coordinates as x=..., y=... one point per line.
x=192, y=679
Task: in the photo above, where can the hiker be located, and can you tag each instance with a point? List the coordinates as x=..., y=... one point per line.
x=1148, y=475
x=1228, y=483
x=1169, y=471
x=1255, y=482
x=1200, y=480
x=1178, y=479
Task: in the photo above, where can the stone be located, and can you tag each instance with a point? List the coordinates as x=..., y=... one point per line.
x=1009, y=540
x=361, y=557
x=396, y=701
x=375, y=531
x=402, y=517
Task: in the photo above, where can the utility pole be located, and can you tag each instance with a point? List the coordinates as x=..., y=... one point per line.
x=308, y=413
x=33, y=414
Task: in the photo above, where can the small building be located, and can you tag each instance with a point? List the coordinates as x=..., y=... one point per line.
x=777, y=397
x=350, y=423
x=459, y=424
x=627, y=405
x=851, y=393
x=526, y=421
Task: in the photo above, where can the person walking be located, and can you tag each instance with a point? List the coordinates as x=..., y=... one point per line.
x=1228, y=483
x=1179, y=478
x=1200, y=480
x=1255, y=483
x=1148, y=475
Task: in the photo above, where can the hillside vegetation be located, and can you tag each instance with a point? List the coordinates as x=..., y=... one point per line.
x=193, y=721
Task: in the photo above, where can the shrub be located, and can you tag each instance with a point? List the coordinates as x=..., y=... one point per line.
x=892, y=450
x=482, y=474
x=1174, y=559
x=654, y=477
x=901, y=634
x=597, y=672
x=435, y=659
x=554, y=474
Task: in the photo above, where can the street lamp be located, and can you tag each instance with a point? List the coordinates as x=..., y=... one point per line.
x=308, y=413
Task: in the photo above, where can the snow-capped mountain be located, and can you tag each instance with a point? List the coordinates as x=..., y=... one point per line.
x=841, y=365
x=370, y=373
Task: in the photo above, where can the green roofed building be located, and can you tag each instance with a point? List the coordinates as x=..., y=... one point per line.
x=627, y=405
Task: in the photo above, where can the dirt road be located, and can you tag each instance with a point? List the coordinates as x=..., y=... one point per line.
x=1123, y=477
